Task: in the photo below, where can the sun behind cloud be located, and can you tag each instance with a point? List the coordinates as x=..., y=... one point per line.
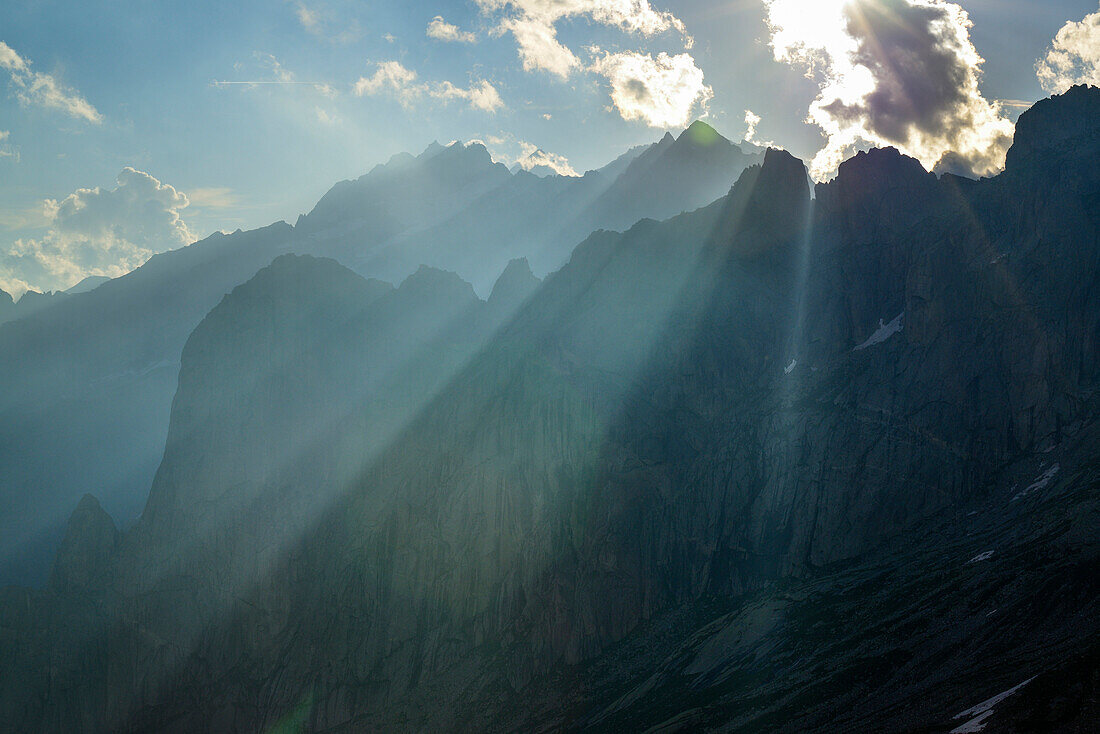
x=900, y=73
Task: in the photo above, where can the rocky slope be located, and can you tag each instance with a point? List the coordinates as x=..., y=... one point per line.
x=779, y=463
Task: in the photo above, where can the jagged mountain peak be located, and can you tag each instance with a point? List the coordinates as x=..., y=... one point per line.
x=90, y=539
x=292, y=274
x=1064, y=127
x=766, y=208
x=428, y=279
x=700, y=133
x=433, y=148
x=878, y=176
x=515, y=284
x=880, y=165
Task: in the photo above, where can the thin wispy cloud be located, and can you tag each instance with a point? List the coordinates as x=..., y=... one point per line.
x=391, y=77
x=33, y=88
x=6, y=151
x=309, y=18
x=321, y=22
x=279, y=76
x=441, y=30
x=215, y=197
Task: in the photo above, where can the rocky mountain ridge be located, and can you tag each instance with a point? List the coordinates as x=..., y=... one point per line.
x=778, y=463
x=105, y=363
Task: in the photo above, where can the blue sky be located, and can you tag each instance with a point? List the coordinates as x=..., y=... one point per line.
x=246, y=155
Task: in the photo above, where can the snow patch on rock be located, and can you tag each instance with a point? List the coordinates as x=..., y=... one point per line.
x=984, y=710
x=883, y=332
x=1040, y=482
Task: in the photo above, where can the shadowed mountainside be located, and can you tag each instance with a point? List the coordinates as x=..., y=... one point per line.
x=778, y=463
x=89, y=377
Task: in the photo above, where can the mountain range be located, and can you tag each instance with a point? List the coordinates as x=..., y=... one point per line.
x=804, y=458
x=89, y=377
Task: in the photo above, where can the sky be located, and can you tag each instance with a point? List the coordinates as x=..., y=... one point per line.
x=129, y=127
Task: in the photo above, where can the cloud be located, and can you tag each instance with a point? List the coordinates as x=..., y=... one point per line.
x=309, y=18
x=534, y=157
x=392, y=77
x=751, y=121
x=279, y=76
x=1073, y=56
x=33, y=217
x=320, y=22
x=539, y=47
x=661, y=91
x=325, y=117
x=441, y=30
x=6, y=151
x=533, y=24
x=892, y=72
x=217, y=197
x=99, y=232
x=506, y=149
x=34, y=88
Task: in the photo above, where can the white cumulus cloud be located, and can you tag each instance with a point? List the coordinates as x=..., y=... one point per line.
x=42, y=90
x=752, y=120
x=394, y=78
x=533, y=24
x=441, y=30
x=99, y=232
x=662, y=91
x=893, y=72
x=1073, y=56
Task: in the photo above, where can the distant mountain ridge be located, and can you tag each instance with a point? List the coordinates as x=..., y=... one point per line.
x=104, y=363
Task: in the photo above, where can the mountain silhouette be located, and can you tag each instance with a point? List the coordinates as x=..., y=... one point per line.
x=782, y=462
x=103, y=364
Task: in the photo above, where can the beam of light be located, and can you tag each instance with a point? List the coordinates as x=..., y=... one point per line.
x=367, y=498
